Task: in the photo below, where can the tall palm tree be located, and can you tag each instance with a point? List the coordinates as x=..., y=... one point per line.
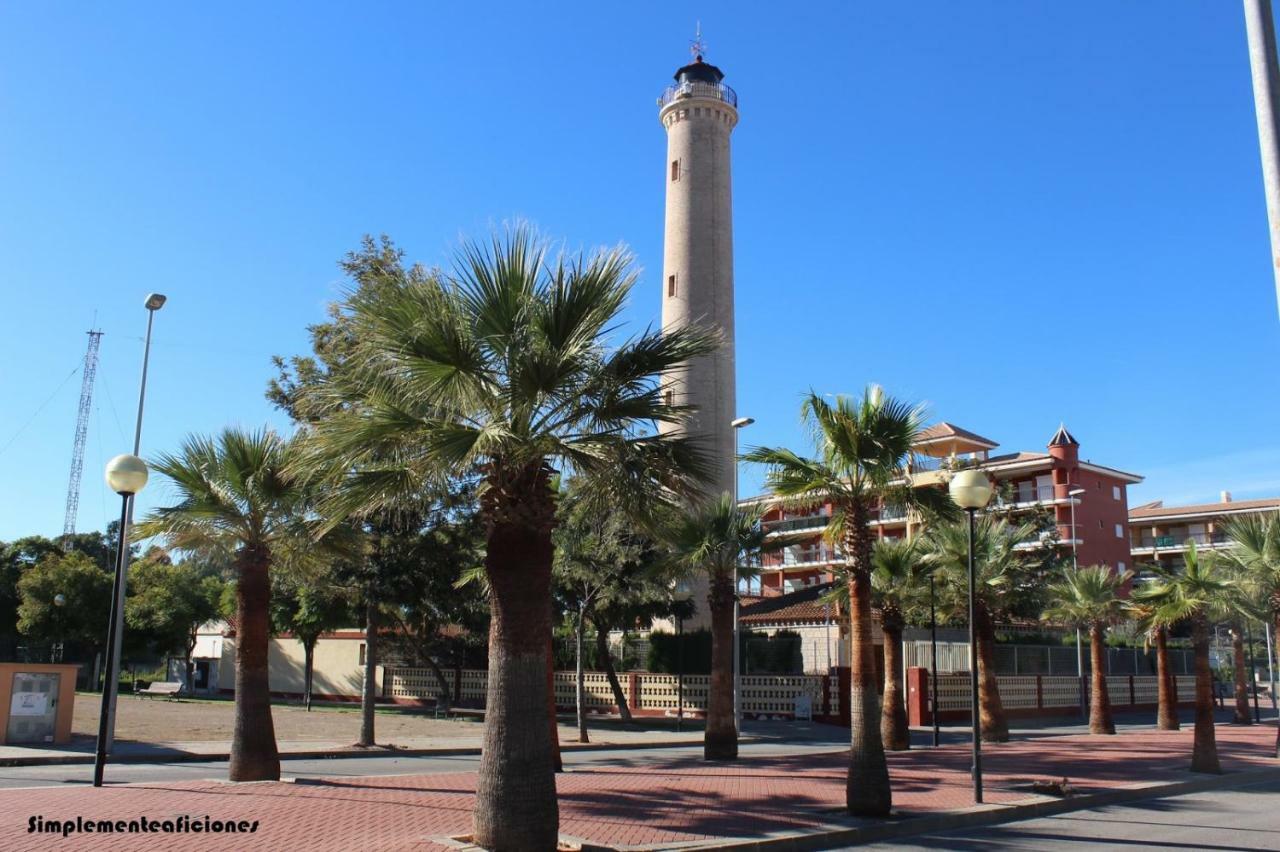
x=1090, y=597
x=1004, y=578
x=1255, y=550
x=503, y=364
x=1166, y=686
x=236, y=503
x=862, y=446
x=718, y=538
x=899, y=587
x=1191, y=595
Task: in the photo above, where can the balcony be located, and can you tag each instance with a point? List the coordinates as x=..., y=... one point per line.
x=699, y=89
x=1178, y=541
x=796, y=557
x=786, y=525
x=1026, y=496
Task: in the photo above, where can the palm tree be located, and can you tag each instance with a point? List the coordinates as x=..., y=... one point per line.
x=1089, y=597
x=502, y=365
x=899, y=586
x=862, y=446
x=236, y=503
x=719, y=538
x=1191, y=595
x=1255, y=552
x=1166, y=685
x=1004, y=578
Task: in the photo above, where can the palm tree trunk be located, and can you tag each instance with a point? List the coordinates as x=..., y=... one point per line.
x=602, y=655
x=370, y=672
x=253, y=741
x=894, y=731
x=308, y=671
x=994, y=725
x=580, y=687
x=720, y=741
x=1242, y=714
x=1204, y=754
x=515, y=805
x=867, y=790
x=1166, y=701
x=1100, y=721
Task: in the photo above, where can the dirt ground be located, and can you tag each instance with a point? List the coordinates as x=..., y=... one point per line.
x=157, y=720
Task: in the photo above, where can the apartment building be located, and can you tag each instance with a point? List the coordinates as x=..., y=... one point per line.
x=1085, y=503
x=1161, y=534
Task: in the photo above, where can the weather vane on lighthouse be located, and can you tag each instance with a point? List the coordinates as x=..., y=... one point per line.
x=698, y=47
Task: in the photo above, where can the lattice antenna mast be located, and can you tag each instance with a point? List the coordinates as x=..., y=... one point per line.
x=82, y=431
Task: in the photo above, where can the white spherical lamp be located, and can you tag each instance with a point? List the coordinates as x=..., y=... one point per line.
x=126, y=474
x=970, y=489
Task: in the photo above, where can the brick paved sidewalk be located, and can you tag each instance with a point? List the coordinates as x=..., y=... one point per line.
x=624, y=803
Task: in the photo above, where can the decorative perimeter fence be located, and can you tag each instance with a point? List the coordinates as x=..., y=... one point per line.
x=1045, y=659
x=645, y=693
x=1036, y=695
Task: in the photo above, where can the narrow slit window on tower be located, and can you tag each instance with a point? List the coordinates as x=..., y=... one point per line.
x=669, y=397
x=671, y=285
x=675, y=170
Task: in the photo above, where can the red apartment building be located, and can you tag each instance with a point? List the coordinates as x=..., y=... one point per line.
x=1161, y=533
x=1093, y=496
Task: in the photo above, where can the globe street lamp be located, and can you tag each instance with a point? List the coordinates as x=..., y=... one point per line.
x=971, y=491
x=933, y=655
x=738, y=425
x=126, y=475
x=681, y=596
x=55, y=653
x=153, y=303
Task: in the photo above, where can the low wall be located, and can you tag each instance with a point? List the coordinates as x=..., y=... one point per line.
x=646, y=693
x=1034, y=695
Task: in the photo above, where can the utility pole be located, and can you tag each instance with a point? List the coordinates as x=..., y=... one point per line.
x=1261, y=30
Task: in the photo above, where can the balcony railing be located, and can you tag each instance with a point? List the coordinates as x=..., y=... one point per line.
x=809, y=522
x=1036, y=494
x=1181, y=539
x=793, y=556
x=699, y=89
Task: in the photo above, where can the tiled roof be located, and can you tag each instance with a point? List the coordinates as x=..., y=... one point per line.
x=1159, y=510
x=804, y=605
x=940, y=431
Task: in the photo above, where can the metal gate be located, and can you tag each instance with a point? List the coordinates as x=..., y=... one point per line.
x=33, y=707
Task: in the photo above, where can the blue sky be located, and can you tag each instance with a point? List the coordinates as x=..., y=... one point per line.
x=1020, y=213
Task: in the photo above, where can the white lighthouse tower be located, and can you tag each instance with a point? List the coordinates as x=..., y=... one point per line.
x=699, y=113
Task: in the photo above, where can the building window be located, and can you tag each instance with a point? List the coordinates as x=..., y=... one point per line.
x=1119, y=531
x=671, y=285
x=362, y=653
x=668, y=397
x=1115, y=492
x=675, y=170
x=1120, y=567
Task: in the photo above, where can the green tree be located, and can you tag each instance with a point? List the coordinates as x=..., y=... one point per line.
x=900, y=588
x=862, y=447
x=502, y=365
x=169, y=602
x=308, y=607
x=1255, y=551
x=1191, y=595
x=86, y=589
x=717, y=539
x=1090, y=598
x=1009, y=579
x=238, y=505
x=1166, y=686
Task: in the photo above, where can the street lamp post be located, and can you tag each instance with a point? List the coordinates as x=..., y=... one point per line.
x=55, y=652
x=682, y=595
x=153, y=303
x=738, y=425
x=971, y=491
x=1072, y=495
x=1253, y=673
x=126, y=475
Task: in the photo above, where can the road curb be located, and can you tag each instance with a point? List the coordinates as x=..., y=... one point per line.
x=204, y=757
x=907, y=826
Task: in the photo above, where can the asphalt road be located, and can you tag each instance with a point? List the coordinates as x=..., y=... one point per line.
x=1245, y=818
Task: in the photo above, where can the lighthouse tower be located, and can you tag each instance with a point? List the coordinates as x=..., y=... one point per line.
x=699, y=113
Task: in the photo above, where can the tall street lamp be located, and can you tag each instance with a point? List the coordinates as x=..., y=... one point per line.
x=153, y=303
x=971, y=491
x=682, y=595
x=738, y=425
x=933, y=664
x=59, y=601
x=1072, y=496
x=126, y=475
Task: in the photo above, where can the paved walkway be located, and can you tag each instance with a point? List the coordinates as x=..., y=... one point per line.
x=627, y=803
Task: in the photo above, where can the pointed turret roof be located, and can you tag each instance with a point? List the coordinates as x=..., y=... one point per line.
x=1063, y=438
